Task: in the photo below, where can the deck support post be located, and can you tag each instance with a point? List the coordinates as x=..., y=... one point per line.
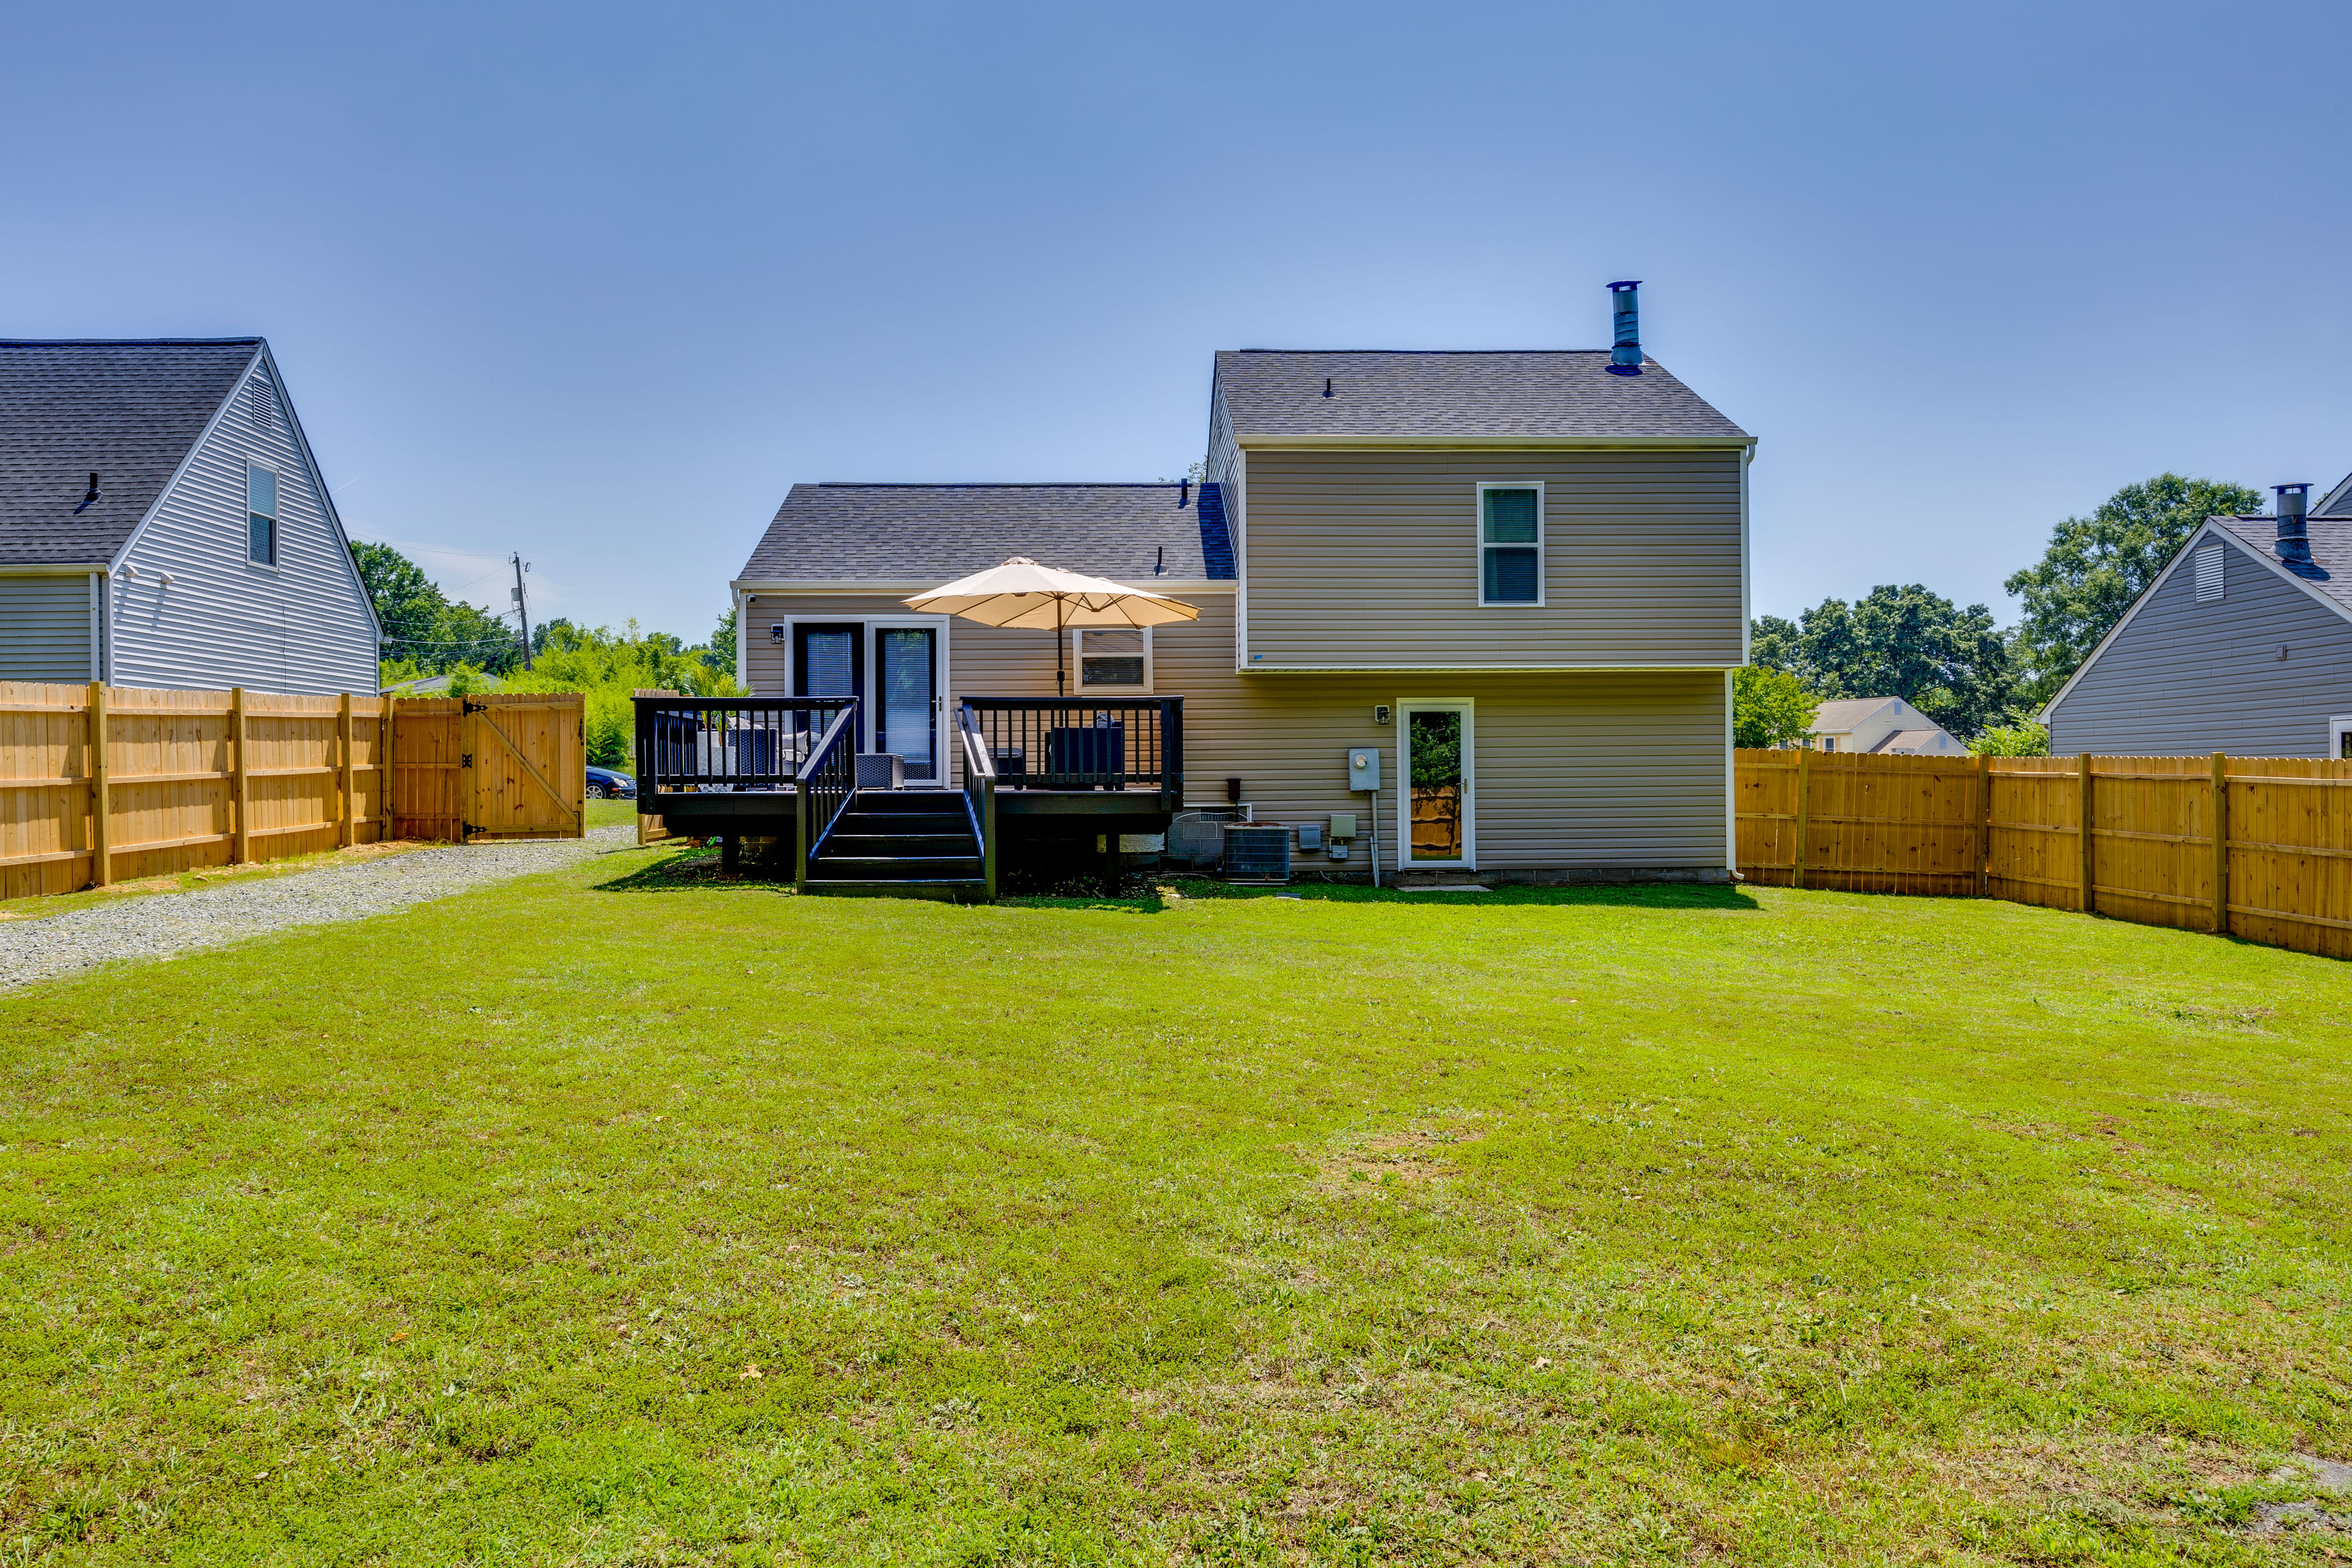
x=101, y=798
x=2220, y=821
x=987, y=836
x=2085, y=834
x=731, y=852
x=799, y=837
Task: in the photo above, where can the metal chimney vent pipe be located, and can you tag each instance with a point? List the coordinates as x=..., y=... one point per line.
x=1625, y=359
x=2293, y=532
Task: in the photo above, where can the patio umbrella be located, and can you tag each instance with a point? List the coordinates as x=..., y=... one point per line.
x=1023, y=594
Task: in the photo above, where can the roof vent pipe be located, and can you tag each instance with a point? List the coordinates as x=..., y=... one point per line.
x=2294, y=533
x=1625, y=359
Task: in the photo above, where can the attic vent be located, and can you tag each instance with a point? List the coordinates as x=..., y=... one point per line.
x=262, y=406
x=2209, y=573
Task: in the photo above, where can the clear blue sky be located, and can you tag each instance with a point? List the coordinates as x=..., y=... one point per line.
x=599, y=282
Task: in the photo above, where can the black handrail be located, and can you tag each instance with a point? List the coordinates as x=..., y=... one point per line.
x=728, y=742
x=978, y=796
x=826, y=783
x=1083, y=743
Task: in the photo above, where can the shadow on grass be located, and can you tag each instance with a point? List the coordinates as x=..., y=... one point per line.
x=694, y=870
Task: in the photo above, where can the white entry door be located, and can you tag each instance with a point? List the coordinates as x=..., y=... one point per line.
x=1437, y=792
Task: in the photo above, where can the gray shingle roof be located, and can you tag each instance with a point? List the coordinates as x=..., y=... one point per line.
x=1274, y=393
x=935, y=533
x=2331, y=547
x=128, y=411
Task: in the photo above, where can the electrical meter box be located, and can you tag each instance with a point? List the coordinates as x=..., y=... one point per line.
x=1364, y=768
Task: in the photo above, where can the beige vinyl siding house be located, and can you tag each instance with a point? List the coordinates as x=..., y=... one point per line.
x=1518, y=580
x=1577, y=771
x=1360, y=559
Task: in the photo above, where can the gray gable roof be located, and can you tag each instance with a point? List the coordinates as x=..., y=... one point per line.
x=1277, y=393
x=2331, y=549
x=128, y=411
x=931, y=534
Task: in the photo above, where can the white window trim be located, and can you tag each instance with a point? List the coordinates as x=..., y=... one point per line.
x=1405, y=708
x=1078, y=668
x=1543, y=532
x=277, y=518
x=2338, y=728
x=942, y=698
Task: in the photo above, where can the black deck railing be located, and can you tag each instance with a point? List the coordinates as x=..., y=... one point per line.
x=826, y=782
x=1083, y=743
x=978, y=796
x=728, y=742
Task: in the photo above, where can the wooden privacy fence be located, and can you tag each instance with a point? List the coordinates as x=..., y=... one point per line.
x=2259, y=848
x=104, y=782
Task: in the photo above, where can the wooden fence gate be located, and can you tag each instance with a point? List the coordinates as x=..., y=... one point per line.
x=493, y=766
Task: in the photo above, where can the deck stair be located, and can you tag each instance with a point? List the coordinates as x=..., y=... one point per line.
x=915, y=843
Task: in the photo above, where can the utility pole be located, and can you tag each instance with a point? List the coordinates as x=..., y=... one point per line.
x=522, y=610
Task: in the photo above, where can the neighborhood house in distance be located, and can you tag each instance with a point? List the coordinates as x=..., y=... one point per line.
x=1505, y=588
x=1887, y=726
x=162, y=523
x=2242, y=645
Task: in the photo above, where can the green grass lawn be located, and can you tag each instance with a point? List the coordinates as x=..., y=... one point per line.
x=627, y=1215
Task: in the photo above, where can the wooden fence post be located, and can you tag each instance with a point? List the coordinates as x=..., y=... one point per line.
x=102, y=800
x=1984, y=825
x=383, y=757
x=466, y=771
x=241, y=848
x=348, y=828
x=2221, y=817
x=2085, y=831
x=1804, y=800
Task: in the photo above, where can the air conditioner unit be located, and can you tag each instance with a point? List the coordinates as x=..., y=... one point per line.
x=1255, y=854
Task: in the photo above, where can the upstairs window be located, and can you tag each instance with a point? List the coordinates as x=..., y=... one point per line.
x=2209, y=573
x=1114, y=658
x=1510, y=544
x=260, y=515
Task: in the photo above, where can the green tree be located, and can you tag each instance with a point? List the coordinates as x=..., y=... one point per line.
x=2024, y=738
x=609, y=667
x=2096, y=566
x=1950, y=663
x=719, y=651
x=424, y=631
x=1769, y=707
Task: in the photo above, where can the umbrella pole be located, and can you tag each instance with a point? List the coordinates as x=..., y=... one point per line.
x=1061, y=684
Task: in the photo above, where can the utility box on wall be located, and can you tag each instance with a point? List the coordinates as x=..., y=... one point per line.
x=1363, y=768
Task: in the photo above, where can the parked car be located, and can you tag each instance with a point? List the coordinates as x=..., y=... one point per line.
x=603, y=783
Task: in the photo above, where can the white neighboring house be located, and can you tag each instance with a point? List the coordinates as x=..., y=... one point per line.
x=1886, y=725
x=162, y=523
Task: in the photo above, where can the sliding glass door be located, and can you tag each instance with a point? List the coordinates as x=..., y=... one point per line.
x=906, y=709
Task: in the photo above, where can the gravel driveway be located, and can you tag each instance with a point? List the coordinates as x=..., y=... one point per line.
x=167, y=923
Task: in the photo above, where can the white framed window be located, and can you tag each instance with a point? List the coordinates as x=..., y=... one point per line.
x=1437, y=784
x=2209, y=573
x=2339, y=737
x=1510, y=542
x=260, y=515
x=1829, y=742
x=1111, y=658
